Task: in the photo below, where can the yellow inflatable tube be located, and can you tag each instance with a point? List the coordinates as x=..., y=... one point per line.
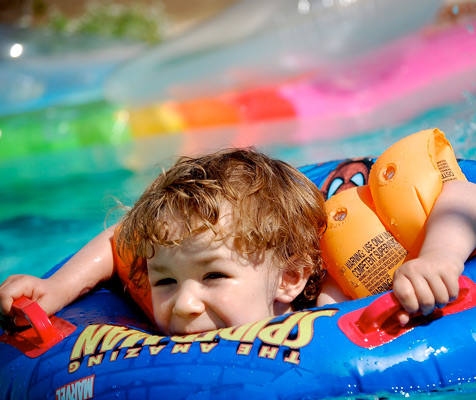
x=373, y=229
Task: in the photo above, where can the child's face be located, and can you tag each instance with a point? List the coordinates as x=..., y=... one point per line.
x=202, y=285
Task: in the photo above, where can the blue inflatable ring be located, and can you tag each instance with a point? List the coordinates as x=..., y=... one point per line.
x=111, y=351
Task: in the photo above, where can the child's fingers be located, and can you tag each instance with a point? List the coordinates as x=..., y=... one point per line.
x=444, y=283
x=439, y=292
x=6, y=300
x=405, y=293
x=416, y=293
x=452, y=286
x=13, y=288
x=425, y=295
x=403, y=317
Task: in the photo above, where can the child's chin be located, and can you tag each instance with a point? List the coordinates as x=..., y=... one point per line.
x=191, y=331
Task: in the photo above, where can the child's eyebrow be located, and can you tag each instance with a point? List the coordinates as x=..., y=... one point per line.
x=207, y=260
x=201, y=262
x=157, y=268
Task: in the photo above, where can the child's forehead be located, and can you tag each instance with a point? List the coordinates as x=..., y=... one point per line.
x=195, y=225
x=180, y=218
x=203, y=241
x=207, y=246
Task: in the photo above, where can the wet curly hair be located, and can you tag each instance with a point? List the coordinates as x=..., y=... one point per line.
x=275, y=210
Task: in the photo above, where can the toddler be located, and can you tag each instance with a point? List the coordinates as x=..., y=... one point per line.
x=233, y=237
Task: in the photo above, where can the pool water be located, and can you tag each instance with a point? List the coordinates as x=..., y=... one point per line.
x=45, y=219
x=466, y=392
x=53, y=203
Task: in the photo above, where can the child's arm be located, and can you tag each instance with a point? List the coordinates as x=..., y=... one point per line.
x=431, y=280
x=330, y=293
x=89, y=266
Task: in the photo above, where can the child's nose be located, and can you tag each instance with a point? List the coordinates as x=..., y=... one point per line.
x=188, y=301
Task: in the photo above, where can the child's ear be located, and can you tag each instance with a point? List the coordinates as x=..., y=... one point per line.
x=292, y=284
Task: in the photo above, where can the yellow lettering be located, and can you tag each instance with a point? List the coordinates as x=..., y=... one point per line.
x=255, y=328
x=306, y=328
x=152, y=340
x=243, y=333
x=73, y=366
x=268, y=352
x=95, y=360
x=154, y=350
x=133, y=353
x=244, y=349
x=234, y=333
x=275, y=334
x=207, y=336
x=88, y=341
x=132, y=339
x=207, y=347
x=114, y=355
x=184, y=339
x=113, y=337
x=293, y=357
x=181, y=348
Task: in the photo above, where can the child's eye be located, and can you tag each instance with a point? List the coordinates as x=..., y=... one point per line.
x=165, y=281
x=215, y=275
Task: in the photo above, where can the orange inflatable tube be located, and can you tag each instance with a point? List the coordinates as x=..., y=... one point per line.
x=357, y=249
x=406, y=180
x=373, y=229
x=139, y=291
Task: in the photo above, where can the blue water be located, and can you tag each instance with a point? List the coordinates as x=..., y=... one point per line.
x=40, y=224
x=53, y=203
x=51, y=215
x=51, y=207
x=466, y=392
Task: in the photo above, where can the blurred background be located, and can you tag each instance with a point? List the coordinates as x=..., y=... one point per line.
x=97, y=96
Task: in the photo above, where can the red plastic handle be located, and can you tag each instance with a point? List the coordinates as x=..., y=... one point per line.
x=376, y=324
x=38, y=320
x=379, y=311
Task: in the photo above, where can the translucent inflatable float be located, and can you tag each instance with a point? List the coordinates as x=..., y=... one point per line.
x=251, y=43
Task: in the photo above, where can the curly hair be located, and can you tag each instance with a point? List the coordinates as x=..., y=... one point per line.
x=274, y=208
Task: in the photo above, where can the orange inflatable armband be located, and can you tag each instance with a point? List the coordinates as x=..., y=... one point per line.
x=372, y=230
x=406, y=180
x=139, y=293
x=358, y=251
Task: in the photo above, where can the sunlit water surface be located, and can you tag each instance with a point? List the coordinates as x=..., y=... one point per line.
x=45, y=219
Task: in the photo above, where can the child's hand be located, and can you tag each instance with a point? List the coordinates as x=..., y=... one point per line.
x=426, y=282
x=46, y=292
